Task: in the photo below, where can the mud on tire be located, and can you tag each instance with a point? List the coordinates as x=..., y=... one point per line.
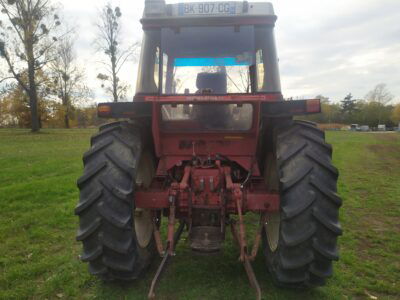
x=308, y=224
x=106, y=206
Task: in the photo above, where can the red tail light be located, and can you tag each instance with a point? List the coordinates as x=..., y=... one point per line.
x=313, y=106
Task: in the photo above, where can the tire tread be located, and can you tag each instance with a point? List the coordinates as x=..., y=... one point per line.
x=106, y=205
x=309, y=207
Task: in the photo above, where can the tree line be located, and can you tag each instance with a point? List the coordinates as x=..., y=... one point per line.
x=42, y=85
x=374, y=109
x=41, y=82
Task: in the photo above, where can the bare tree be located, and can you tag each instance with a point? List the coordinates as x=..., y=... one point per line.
x=68, y=77
x=322, y=98
x=238, y=78
x=381, y=95
x=26, y=44
x=109, y=44
x=4, y=79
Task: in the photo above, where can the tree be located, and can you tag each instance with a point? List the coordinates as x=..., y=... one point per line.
x=372, y=113
x=26, y=44
x=4, y=78
x=5, y=84
x=109, y=44
x=18, y=104
x=68, y=78
x=349, y=107
x=7, y=118
x=322, y=98
x=396, y=114
x=16, y=108
x=238, y=78
x=380, y=95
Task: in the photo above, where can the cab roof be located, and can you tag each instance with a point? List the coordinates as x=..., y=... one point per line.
x=159, y=14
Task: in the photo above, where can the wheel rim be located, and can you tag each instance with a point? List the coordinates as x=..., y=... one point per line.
x=143, y=217
x=272, y=230
x=272, y=225
x=143, y=227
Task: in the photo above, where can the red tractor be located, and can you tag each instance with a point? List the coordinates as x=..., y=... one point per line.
x=207, y=140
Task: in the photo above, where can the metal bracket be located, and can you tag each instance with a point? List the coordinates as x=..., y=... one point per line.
x=256, y=244
x=172, y=238
x=240, y=238
x=164, y=261
x=157, y=235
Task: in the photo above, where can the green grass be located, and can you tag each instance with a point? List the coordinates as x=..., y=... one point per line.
x=39, y=255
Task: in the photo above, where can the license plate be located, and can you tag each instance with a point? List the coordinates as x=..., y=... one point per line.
x=207, y=8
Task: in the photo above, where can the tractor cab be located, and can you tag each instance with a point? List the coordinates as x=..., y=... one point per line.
x=204, y=67
x=208, y=48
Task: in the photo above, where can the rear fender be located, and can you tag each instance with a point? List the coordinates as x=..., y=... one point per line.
x=290, y=108
x=124, y=110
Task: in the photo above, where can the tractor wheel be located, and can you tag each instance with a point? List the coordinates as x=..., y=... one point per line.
x=300, y=241
x=117, y=240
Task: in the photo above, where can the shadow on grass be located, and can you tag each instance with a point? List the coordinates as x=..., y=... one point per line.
x=191, y=276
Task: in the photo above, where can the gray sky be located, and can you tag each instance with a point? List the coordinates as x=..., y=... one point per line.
x=329, y=47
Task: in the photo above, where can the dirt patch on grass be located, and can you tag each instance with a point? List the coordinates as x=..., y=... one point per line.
x=387, y=136
x=389, y=154
x=382, y=223
x=384, y=149
x=375, y=230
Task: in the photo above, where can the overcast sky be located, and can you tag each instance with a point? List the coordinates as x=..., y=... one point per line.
x=328, y=47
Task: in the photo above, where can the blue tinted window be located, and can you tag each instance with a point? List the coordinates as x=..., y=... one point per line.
x=209, y=62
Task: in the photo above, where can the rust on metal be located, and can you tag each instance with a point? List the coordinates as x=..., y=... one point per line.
x=171, y=226
x=157, y=237
x=154, y=282
x=256, y=245
x=167, y=256
x=237, y=194
x=240, y=238
x=252, y=277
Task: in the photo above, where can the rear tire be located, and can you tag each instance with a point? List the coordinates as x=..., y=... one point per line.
x=302, y=241
x=106, y=206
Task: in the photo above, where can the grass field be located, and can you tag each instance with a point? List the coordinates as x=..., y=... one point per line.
x=39, y=255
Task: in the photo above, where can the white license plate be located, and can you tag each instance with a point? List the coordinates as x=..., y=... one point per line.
x=207, y=8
